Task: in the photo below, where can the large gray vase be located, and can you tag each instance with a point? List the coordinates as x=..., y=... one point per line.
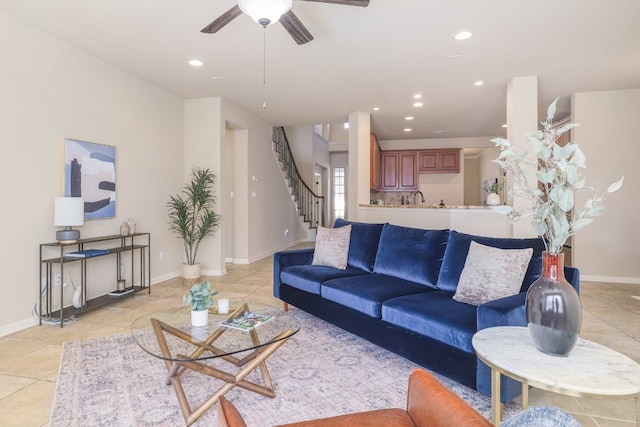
x=554, y=312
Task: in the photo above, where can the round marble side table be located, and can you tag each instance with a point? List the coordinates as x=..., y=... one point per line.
x=591, y=370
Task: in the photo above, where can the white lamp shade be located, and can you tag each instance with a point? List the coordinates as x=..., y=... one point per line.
x=265, y=12
x=69, y=211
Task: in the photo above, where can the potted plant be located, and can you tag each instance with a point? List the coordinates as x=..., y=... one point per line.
x=199, y=299
x=192, y=217
x=549, y=200
x=493, y=199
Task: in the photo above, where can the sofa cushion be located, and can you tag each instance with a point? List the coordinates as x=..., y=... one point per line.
x=332, y=247
x=491, y=273
x=309, y=277
x=410, y=253
x=436, y=315
x=366, y=293
x=363, y=245
x=458, y=247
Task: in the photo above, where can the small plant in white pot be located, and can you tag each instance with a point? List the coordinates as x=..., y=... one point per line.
x=493, y=198
x=199, y=299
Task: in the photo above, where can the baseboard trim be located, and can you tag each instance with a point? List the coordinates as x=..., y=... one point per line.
x=610, y=279
x=29, y=322
x=17, y=326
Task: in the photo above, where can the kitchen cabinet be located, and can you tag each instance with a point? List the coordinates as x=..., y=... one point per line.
x=376, y=163
x=439, y=161
x=398, y=171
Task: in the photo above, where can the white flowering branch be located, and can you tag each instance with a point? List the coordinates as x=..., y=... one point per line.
x=550, y=200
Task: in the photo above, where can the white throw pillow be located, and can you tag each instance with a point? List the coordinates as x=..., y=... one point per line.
x=491, y=273
x=332, y=247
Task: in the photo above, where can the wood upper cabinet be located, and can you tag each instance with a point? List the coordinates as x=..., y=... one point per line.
x=376, y=165
x=439, y=161
x=399, y=171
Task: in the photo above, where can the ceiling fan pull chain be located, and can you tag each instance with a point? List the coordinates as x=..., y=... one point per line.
x=264, y=68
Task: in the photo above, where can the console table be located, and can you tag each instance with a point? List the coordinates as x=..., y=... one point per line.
x=591, y=370
x=55, y=255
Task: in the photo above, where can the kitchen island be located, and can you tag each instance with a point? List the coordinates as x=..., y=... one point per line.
x=478, y=220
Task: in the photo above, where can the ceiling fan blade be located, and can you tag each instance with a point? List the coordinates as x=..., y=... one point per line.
x=222, y=20
x=295, y=28
x=362, y=3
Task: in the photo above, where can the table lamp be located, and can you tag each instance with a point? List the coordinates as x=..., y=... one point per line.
x=69, y=211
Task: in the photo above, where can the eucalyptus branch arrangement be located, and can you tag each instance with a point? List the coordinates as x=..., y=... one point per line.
x=551, y=197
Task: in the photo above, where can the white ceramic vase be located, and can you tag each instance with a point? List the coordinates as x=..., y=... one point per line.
x=199, y=318
x=493, y=199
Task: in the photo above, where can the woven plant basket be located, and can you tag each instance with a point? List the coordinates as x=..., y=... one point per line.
x=190, y=271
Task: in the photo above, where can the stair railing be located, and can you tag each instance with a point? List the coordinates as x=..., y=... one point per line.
x=310, y=206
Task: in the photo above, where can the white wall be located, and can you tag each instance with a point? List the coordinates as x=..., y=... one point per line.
x=609, y=132
x=50, y=91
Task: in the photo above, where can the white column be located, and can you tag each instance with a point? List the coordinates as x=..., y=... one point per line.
x=522, y=117
x=359, y=163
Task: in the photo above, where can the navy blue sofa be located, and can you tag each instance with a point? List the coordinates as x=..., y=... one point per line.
x=397, y=292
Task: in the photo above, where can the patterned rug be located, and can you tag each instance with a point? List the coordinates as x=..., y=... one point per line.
x=321, y=371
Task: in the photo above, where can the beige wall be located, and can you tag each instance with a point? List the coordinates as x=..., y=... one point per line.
x=51, y=91
x=262, y=208
x=609, y=135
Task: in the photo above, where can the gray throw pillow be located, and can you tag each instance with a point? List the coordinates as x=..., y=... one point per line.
x=332, y=247
x=491, y=273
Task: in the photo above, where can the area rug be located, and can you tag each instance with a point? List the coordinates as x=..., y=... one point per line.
x=321, y=371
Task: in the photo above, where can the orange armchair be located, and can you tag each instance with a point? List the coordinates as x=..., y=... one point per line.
x=429, y=404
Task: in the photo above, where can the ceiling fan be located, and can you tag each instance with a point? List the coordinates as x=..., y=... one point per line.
x=267, y=12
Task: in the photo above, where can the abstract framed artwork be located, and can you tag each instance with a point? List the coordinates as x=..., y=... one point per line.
x=90, y=172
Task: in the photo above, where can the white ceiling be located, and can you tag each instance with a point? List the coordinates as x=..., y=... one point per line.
x=362, y=57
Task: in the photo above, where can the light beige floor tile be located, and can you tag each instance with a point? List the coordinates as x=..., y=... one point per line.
x=608, y=422
x=30, y=406
x=10, y=384
x=37, y=364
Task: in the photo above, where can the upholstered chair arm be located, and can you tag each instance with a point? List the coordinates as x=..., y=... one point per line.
x=432, y=404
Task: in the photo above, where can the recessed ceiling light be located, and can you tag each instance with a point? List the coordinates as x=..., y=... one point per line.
x=417, y=96
x=376, y=108
x=418, y=104
x=408, y=129
x=346, y=125
x=504, y=125
x=408, y=118
x=216, y=77
x=196, y=63
x=463, y=35
x=479, y=83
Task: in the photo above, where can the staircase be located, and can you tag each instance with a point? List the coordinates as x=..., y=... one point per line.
x=309, y=205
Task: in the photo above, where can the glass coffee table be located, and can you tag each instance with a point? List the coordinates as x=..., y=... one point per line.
x=168, y=335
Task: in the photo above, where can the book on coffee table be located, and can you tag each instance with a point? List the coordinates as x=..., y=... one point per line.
x=246, y=321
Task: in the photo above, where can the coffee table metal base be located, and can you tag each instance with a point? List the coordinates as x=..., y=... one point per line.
x=255, y=359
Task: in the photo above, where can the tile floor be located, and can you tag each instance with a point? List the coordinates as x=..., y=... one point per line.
x=29, y=359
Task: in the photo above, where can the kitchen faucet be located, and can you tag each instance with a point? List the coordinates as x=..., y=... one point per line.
x=421, y=196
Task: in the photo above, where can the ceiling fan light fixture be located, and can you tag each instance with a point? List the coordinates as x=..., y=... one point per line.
x=265, y=12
